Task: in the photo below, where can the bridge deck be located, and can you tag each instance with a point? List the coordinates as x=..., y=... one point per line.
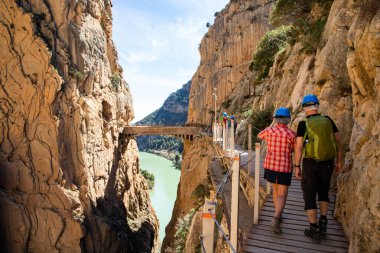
x=160, y=130
x=261, y=239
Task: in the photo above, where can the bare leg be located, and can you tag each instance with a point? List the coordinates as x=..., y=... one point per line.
x=282, y=193
x=275, y=194
x=324, y=206
x=312, y=215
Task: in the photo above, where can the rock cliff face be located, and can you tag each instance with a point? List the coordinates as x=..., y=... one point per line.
x=69, y=181
x=344, y=72
x=194, y=173
x=226, y=53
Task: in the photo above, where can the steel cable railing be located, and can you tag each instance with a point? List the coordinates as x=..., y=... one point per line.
x=221, y=230
x=219, y=191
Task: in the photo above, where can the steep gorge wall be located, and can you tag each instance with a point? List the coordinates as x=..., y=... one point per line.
x=226, y=53
x=344, y=72
x=69, y=181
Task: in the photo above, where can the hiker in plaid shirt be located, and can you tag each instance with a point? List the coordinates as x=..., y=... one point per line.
x=278, y=161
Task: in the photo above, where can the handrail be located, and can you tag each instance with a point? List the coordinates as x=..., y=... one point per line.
x=203, y=246
x=221, y=186
x=221, y=230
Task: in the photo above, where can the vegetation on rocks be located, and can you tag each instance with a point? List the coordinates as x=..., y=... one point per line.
x=182, y=229
x=306, y=28
x=271, y=43
x=115, y=80
x=149, y=177
x=259, y=120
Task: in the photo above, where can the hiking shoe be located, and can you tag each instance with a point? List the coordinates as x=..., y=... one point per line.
x=322, y=227
x=276, y=225
x=313, y=234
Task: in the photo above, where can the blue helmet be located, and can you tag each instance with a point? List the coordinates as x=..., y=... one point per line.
x=310, y=99
x=232, y=117
x=282, y=112
x=224, y=114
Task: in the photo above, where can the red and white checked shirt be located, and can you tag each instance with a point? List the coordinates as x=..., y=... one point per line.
x=280, y=144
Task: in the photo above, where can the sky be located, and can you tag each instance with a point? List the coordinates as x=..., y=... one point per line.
x=157, y=43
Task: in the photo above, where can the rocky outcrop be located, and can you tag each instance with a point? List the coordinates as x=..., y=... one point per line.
x=69, y=181
x=226, y=53
x=194, y=173
x=343, y=71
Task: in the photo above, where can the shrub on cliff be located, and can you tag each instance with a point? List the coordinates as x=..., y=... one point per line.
x=306, y=17
x=259, y=120
x=182, y=229
x=288, y=11
x=149, y=177
x=270, y=44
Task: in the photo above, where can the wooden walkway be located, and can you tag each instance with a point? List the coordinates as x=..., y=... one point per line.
x=261, y=239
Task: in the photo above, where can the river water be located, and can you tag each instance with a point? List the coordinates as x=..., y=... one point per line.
x=164, y=192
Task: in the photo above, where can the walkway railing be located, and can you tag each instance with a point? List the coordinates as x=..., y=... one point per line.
x=224, y=136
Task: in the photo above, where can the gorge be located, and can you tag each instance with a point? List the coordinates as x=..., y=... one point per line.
x=70, y=180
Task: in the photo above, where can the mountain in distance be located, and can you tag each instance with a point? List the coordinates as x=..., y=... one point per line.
x=172, y=113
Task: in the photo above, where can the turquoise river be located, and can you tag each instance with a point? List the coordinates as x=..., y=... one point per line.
x=164, y=192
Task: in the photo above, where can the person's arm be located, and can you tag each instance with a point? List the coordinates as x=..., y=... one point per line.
x=339, y=161
x=297, y=156
x=262, y=134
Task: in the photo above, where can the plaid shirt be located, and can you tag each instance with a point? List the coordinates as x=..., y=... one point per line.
x=280, y=143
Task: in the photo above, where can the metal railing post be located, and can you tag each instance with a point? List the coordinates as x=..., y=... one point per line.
x=257, y=186
x=232, y=138
x=250, y=170
x=208, y=216
x=214, y=132
x=234, y=200
x=224, y=137
x=227, y=137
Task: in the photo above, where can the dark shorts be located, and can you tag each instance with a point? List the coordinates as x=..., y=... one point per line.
x=316, y=178
x=276, y=177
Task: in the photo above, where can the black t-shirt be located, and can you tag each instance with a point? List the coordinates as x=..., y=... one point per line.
x=301, y=129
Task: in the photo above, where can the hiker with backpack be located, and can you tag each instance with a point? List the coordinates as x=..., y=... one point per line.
x=318, y=141
x=278, y=163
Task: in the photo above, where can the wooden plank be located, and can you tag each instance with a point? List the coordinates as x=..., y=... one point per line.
x=278, y=247
x=299, y=232
x=253, y=249
x=266, y=209
x=298, y=222
x=256, y=240
x=292, y=197
x=300, y=218
x=296, y=203
x=298, y=237
x=299, y=227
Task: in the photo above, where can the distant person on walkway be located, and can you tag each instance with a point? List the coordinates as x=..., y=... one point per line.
x=278, y=161
x=225, y=117
x=235, y=123
x=319, y=141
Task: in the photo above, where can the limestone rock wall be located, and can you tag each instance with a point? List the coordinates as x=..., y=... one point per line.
x=69, y=181
x=344, y=73
x=194, y=171
x=226, y=53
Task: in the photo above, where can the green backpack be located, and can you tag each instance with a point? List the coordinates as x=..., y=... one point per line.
x=320, y=144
